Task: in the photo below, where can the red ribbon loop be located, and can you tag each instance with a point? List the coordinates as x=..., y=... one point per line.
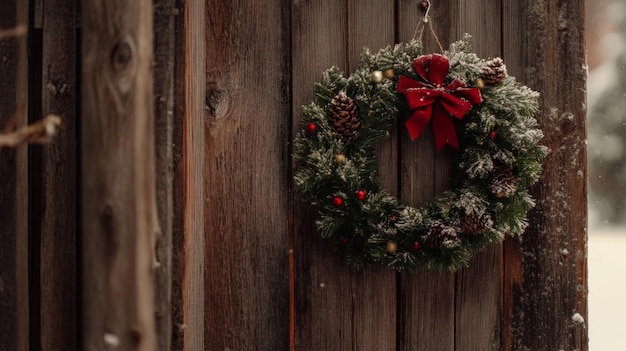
x=433, y=98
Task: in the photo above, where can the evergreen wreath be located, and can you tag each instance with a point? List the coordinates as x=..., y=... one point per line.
x=462, y=94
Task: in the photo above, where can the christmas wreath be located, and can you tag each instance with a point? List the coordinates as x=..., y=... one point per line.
x=473, y=106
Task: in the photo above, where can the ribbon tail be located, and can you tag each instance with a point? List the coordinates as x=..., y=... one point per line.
x=418, y=121
x=443, y=128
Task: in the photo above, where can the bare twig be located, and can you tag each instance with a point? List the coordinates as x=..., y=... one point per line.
x=37, y=133
x=13, y=32
x=13, y=120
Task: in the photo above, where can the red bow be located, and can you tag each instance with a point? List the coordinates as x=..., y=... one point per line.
x=433, y=97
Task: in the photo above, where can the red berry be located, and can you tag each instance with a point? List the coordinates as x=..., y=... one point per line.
x=393, y=218
x=416, y=246
x=311, y=128
x=492, y=134
x=424, y=5
x=344, y=240
x=360, y=195
x=337, y=201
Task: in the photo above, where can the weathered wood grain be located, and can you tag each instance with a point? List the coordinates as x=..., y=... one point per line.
x=336, y=307
x=426, y=299
x=323, y=306
x=164, y=36
x=545, y=289
x=118, y=188
x=246, y=183
x=478, y=287
x=59, y=180
x=371, y=23
x=14, y=333
x=188, y=290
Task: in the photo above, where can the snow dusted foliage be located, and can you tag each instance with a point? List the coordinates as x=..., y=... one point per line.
x=498, y=139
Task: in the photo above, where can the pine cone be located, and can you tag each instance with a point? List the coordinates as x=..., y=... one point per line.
x=473, y=224
x=441, y=235
x=495, y=72
x=502, y=182
x=344, y=117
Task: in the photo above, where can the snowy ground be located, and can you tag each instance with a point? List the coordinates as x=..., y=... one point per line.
x=607, y=290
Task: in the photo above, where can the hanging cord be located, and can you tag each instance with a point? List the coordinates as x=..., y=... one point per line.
x=419, y=29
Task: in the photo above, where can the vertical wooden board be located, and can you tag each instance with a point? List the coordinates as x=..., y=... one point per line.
x=371, y=23
x=336, y=307
x=323, y=289
x=163, y=132
x=188, y=220
x=14, y=334
x=58, y=189
x=546, y=283
x=477, y=307
x=38, y=13
x=118, y=189
x=426, y=299
x=246, y=178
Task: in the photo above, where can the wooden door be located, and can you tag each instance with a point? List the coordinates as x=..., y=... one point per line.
x=483, y=307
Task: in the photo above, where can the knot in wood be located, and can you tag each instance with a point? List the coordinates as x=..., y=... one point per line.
x=135, y=336
x=214, y=98
x=106, y=219
x=121, y=55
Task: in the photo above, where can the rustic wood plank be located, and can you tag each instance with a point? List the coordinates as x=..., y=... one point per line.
x=477, y=307
x=247, y=203
x=336, y=307
x=546, y=280
x=118, y=188
x=478, y=295
x=323, y=315
x=371, y=23
x=188, y=290
x=426, y=299
x=38, y=15
x=58, y=195
x=164, y=37
x=14, y=333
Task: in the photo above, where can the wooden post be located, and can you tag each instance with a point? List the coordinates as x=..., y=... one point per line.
x=14, y=334
x=545, y=291
x=118, y=188
x=58, y=196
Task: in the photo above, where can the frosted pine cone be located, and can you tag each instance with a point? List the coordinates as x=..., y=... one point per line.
x=344, y=117
x=502, y=182
x=441, y=235
x=495, y=72
x=474, y=224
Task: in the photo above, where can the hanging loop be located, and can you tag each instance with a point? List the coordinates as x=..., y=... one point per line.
x=419, y=29
x=426, y=19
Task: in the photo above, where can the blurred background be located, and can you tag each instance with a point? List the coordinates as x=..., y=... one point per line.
x=606, y=104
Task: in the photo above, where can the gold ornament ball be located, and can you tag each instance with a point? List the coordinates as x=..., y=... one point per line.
x=340, y=158
x=389, y=73
x=480, y=83
x=377, y=76
x=500, y=194
x=392, y=247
